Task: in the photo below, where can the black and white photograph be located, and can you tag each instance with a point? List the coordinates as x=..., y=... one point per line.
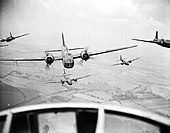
x=84, y=66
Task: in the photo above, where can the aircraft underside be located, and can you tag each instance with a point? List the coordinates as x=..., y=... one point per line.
x=68, y=64
x=167, y=45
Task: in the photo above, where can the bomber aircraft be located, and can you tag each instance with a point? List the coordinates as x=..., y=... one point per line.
x=162, y=42
x=124, y=62
x=3, y=45
x=10, y=38
x=66, y=56
x=68, y=80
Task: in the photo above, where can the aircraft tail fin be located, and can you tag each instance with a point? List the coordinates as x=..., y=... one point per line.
x=63, y=39
x=156, y=35
x=10, y=34
x=121, y=58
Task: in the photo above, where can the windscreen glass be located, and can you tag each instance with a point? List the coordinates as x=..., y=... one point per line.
x=123, y=124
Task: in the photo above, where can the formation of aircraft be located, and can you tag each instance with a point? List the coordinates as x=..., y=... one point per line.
x=66, y=56
x=125, y=62
x=162, y=42
x=69, y=80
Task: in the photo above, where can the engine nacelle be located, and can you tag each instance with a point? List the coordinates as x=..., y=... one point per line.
x=75, y=80
x=49, y=59
x=84, y=55
x=62, y=82
x=162, y=41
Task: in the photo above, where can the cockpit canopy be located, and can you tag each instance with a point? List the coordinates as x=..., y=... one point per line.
x=81, y=118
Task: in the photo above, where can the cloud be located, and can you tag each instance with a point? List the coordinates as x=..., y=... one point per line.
x=107, y=8
x=129, y=10
x=158, y=10
x=106, y=18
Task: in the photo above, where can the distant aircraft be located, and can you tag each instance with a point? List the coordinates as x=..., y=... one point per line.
x=2, y=40
x=68, y=80
x=66, y=57
x=162, y=42
x=3, y=45
x=124, y=62
x=10, y=38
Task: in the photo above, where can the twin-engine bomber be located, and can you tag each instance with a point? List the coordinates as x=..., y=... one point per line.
x=162, y=42
x=125, y=62
x=66, y=56
x=68, y=80
x=10, y=38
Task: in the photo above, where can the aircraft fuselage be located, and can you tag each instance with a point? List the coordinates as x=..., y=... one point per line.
x=3, y=40
x=163, y=43
x=67, y=57
x=68, y=80
x=8, y=39
x=124, y=62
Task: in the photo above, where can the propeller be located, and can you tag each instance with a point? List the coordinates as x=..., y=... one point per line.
x=49, y=59
x=62, y=82
x=85, y=56
x=86, y=49
x=80, y=62
x=46, y=53
x=47, y=67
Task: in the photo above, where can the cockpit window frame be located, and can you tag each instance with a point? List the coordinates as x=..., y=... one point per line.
x=32, y=115
x=162, y=126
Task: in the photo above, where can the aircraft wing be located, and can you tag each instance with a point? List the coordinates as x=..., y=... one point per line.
x=21, y=35
x=52, y=82
x=117, y=64
x=144, y=40
x=58, y=50
x=22, y=59
x=134, y=59
x=106, y=51
x=30, y=59
x=2, y=40
x=83, y=77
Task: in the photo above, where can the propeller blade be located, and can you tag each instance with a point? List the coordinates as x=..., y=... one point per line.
x=46, y=53
x=80, y=62
x=47, y=67
x=86, y=49
x=93, y=58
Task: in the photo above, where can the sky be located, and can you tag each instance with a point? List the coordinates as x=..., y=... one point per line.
x=99, y=24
